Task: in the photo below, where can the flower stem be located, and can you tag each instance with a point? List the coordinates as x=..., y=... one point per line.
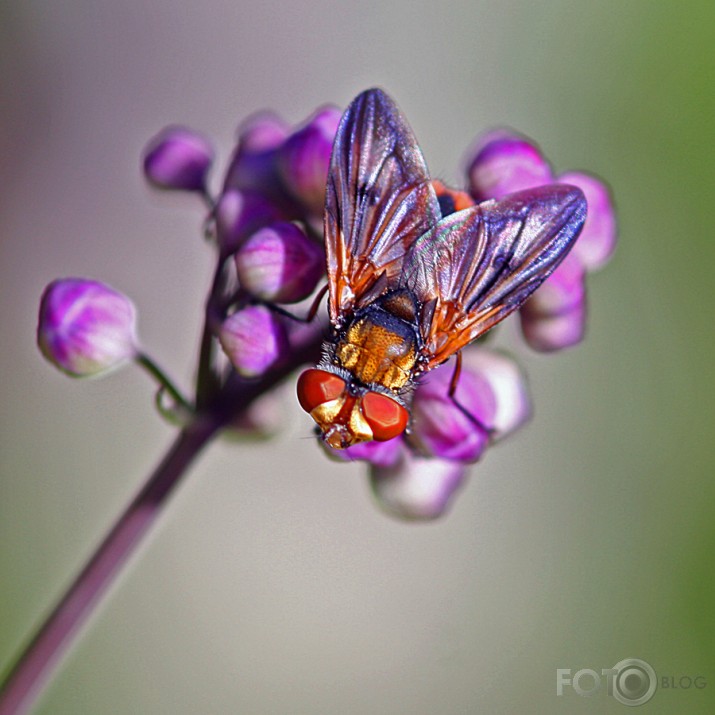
x=207, y=382
x=34, y=666
x=163, y=379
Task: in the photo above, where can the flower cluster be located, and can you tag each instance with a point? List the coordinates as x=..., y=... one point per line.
x=266, y=223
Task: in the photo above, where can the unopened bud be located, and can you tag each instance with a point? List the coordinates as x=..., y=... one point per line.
x=239, y=213
x=178, y=159
x=304, y=158
x=441, y=428
x=504, y=163
x=554, y=317
x=417, y=488
x=85, y=327
x=597, y=241
x=253, y=338
x=280, y=264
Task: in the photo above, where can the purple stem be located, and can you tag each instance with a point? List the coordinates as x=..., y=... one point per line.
x=35, y=665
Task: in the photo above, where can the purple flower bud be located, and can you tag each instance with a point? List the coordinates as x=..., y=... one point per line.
x=239, y=214
x=178, y=158
x=508, y=384
x=548, y=333
x=440, y=428
x=504, y=163
x=280, y=263
x=381, y=454
x=597, y=241
x=261, y=132
x=86, y=328
x=254, y=165
x=253, y=338
x=416, y=488
x=554, y=317
x=305, y=156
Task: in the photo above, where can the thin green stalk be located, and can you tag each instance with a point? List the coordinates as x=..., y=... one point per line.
x=163, y=379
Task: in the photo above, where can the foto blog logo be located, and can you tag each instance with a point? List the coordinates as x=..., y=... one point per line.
x=630, y=681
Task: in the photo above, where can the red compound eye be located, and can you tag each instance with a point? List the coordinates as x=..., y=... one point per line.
x=318, y=386
x=387, y=418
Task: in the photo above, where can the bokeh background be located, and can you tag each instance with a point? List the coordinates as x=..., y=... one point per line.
x=272, y=583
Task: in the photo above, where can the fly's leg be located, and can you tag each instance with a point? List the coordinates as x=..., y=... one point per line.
x=297, y=318
x=451, y=394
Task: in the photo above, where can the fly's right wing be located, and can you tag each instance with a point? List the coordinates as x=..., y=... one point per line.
x=478, y=265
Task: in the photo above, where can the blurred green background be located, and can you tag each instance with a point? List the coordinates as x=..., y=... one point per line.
x=272, y=584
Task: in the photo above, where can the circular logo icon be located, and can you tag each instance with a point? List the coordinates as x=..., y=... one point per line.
x=635, y=682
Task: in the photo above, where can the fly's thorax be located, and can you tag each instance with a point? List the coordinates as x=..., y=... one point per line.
x=380, y=344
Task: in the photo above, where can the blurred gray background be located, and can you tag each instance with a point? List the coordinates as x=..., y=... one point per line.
x=272, y=584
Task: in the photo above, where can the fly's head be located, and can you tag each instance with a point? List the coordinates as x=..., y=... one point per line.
x=347, y=415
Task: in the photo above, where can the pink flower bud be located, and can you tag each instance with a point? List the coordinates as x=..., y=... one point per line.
x=416, y=488
x=440, y=427
x=253, y=165
x=508, y=384
x=280, y=264
x=554, y=317
x=178, y=159
x=504, y=163
x=261, y=132
x=305, y=156
x=239, y=214
x=85, y=327
x=597, y=241
x=381, y=454
x=253, y=339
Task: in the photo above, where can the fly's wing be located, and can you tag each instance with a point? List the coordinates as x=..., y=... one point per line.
x=378, y=201
x=478, y=265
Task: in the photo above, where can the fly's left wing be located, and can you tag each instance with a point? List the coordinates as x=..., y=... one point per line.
x=378, y=201
x=478, y=265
